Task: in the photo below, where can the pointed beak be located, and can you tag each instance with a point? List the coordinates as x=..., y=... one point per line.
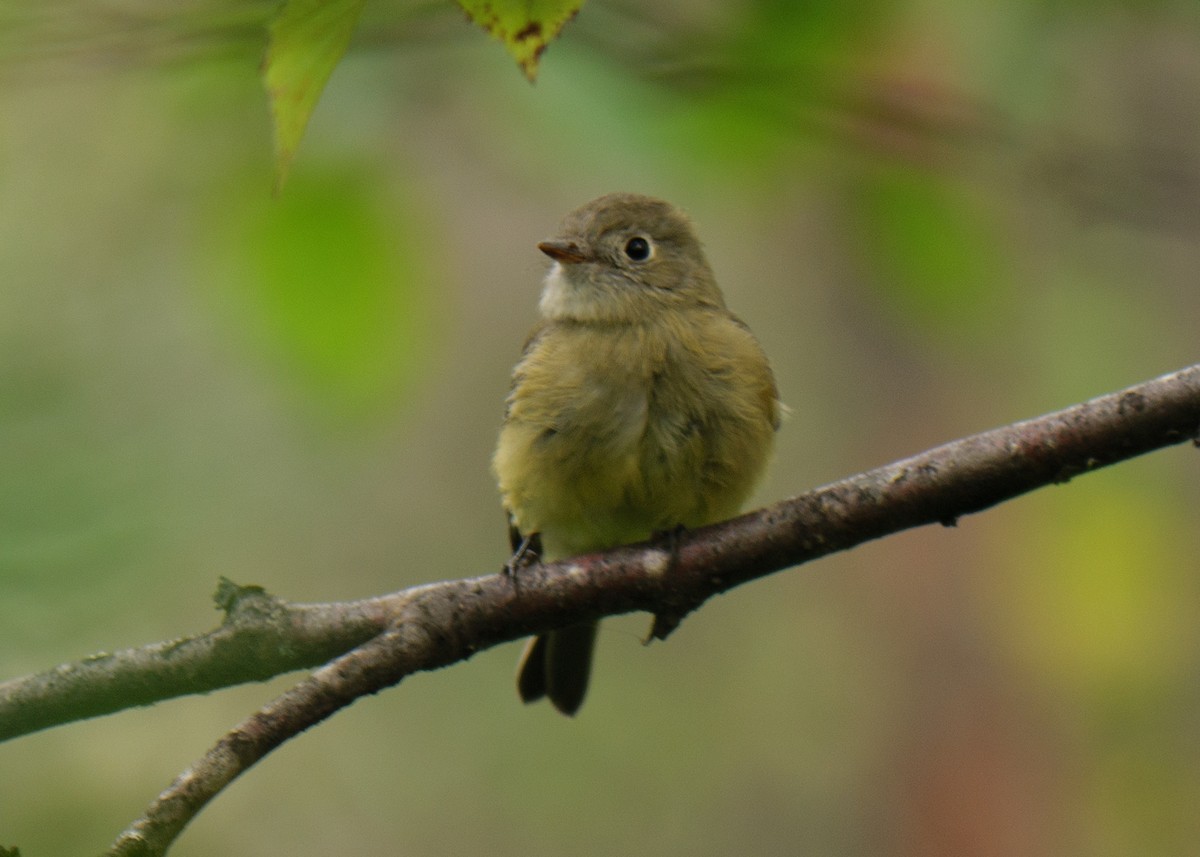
x=567, y=252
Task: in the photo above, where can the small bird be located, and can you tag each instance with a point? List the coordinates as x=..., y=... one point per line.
x=640, y=405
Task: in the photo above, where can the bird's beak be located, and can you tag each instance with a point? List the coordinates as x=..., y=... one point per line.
x=560, y=250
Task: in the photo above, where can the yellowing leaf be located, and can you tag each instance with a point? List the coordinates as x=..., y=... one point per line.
x=525, y=26
x=306, y=40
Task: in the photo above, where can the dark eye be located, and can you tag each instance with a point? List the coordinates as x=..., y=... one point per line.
x=637, y=249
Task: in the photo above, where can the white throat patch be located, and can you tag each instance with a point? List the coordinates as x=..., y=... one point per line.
x=562, y=298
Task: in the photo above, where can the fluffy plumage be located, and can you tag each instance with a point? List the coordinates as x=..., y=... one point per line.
x=640, y=404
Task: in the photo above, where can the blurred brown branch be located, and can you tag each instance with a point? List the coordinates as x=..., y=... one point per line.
x=376, y=643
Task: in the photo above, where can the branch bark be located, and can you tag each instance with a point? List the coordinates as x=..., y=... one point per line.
x=438, y=624
x=261, y=637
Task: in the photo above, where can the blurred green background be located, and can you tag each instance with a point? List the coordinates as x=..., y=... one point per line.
x=937, y=216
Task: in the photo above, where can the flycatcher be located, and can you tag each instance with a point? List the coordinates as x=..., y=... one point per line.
x=640, y=404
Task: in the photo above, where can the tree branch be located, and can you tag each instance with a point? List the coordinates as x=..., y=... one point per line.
x=381, y=662
x=261, y=637
x=438, y=624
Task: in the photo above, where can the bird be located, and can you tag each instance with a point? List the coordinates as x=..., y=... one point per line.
x=640, y=405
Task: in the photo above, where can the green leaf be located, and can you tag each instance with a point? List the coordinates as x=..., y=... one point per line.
x=329, y=287
x=306, y=40
x=933, y=250
x=524, y=26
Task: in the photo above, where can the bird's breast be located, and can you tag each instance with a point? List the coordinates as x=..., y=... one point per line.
x=616, y=432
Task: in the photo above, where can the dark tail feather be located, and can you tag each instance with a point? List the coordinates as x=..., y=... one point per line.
x=531, y=670
x=557, y=665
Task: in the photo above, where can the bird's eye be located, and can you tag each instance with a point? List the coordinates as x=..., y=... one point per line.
x=637, y=248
